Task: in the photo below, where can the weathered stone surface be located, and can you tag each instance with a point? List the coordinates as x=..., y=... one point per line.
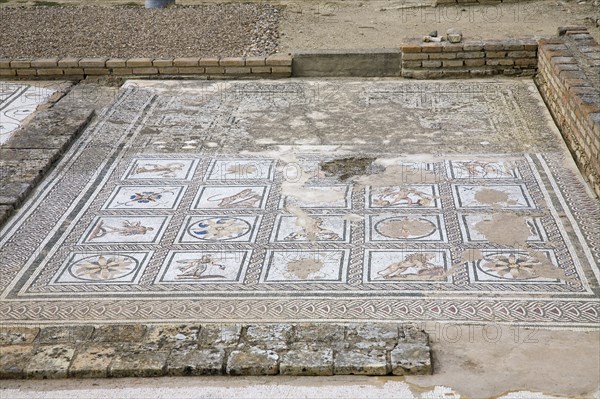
x=135, y=362
x=272, y=336
x=409, y=358
x=119, y=333
x=410, y=333
x=372, y=336
x=65, y=334
x=319, y=336
x=253, y=361
x=220, y=336
x=13, y=193
x=196, y=362
x=13, y=359
x=18, y=335
x=92, y=361
x=354, y=362
x=305, y=362
x=50, y=361
x=170, y=336
x=5, y=212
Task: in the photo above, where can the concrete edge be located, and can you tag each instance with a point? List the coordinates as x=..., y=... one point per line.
x=142, y=350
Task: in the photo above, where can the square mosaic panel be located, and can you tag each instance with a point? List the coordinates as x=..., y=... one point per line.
x=206, y=267
x=408, y=196
x=216, y=229
x=145, y=197
x=506, y=196
x=139, y=229
x=103, y=268
x=391, y=266
x=321, y=228
x=469, y=227
x=406, y=228
x=306, y=266
x=161, y=169
x=231, y=197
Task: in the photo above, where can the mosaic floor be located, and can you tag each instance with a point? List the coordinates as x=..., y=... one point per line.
x=196, y=202
x=17, y=102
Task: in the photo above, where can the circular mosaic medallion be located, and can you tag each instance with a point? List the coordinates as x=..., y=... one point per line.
x=219, y=229
x=103, y=267
x=509, y=266
x=406, y=228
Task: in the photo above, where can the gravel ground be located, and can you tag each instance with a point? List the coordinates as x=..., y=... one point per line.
x=123, y=31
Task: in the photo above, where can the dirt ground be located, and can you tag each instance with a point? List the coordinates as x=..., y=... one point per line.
x=325, y=24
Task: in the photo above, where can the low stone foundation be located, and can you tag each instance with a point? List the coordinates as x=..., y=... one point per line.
x=232, y=349
x=569, y=81
x=475, y=58
x=274, y=66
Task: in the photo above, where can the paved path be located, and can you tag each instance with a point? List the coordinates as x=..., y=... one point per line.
x=312, y=200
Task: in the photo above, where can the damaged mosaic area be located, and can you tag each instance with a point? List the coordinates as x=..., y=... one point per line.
x=129, y=231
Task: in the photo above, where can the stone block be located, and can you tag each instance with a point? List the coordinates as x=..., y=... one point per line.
x=453, y=63
x=159, y=337
x=255, y=61
x=18, y=335
x=272, y=336
x=495, y=54
x=412, y=64
x=215, y=70
x=163, y=63
x=475, y=63
x=183, y=362
x=20, y=64
x=471, y=55
x=443, y=56
x=192, y=70
x=306, y=362
x=410, y=48
x=279, y=60
x=263, y=69
x=65, y=334
x=119, y=333
x=281, y=70
x=4, y=63
x=411, y=358
x=452, y=47
x=134, y=362
x=360, y=363
x=253, y=361
x=168, y=71
x=50, y=72
x=372, y=336
x=522, y=54
x=50, y=361
x=116, y=63
x=431, y=64
x=13, y=193
x=145, y=71
x=320, y=335
x=225, y=336
x=26, y=72
x=8, y=72
x=414, y=56
x=499, y=61
x=92, y=360
x=13, y=360
x=68, y=62
x=209, y=62
x=139, y=62
x=186, y=62
x=232, y=62
x=122, y=71
x=237, y=70
x=526, y=62
x=96, y=71
x=44, y=63
x=92, y=62
x=431, y=48
x=73, y=71
x=5, y=212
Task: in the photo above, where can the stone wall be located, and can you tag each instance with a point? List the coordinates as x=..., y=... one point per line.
x=475, y=58
x=569, y=81
x=274, y=66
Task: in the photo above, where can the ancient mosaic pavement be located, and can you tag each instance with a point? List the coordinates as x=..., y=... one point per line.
x=155, y=215
x=17, y=102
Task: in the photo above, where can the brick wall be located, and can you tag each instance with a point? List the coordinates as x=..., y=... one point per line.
x=569, y=81
x=274, y=66
x=512, y=57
